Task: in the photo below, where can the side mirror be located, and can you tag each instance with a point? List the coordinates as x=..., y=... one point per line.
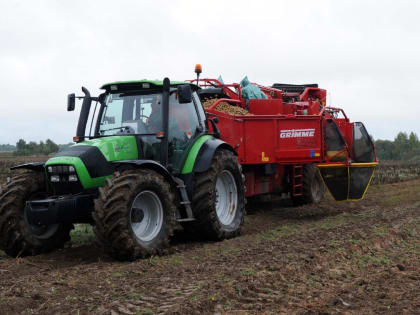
x=184, y=94
x=101, y=98
x=71, y=102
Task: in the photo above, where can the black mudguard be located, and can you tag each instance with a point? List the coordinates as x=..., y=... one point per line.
x=150, y=164
x=35, y=166
x=206, y=153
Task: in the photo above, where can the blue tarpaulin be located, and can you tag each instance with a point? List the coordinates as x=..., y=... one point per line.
x=250, y=91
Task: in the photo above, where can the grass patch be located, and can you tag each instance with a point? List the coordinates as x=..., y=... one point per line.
x=82, y=234
x=278, y=232
x=379, y=230
x=336, y=221
x=248, y=272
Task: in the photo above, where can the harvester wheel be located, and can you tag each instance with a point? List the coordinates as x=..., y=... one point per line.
x=18, y=238
x=219, y=199
x=135, y=214
x=313, y=187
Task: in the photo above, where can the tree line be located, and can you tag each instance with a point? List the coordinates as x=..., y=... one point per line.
x=32, y=148
x=404, y=147
x=7, y=147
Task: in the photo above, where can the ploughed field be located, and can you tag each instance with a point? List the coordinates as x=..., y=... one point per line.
x=355, y=257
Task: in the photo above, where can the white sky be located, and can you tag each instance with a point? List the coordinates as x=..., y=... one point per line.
x=365, y=53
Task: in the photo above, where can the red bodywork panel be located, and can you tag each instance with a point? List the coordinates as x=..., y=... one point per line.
x=283, y=130
x=264, y=139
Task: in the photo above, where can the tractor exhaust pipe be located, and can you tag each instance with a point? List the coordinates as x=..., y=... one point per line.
x=84, y=115
x=165, y=122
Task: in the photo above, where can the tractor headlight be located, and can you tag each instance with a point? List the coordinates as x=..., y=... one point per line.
x=72, y=178
x=71, y=169
x=50, y=169
x=55, y=178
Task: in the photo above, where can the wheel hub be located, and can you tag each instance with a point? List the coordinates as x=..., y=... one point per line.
x=146, y=216
x=137, y=215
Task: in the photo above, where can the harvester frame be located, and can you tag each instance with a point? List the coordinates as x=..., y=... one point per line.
x=296, y=130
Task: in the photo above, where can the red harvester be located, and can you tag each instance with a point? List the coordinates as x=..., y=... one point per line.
x=288, y=136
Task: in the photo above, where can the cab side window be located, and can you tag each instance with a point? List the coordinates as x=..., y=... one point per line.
x=183, y=127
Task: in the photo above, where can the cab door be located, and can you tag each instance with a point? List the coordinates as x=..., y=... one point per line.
x=185, y=126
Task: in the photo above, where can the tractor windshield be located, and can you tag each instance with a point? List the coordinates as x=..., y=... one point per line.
x=131, y=114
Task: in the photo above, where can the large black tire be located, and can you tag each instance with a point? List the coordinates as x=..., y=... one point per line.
x=17, y=237
x=208, y=224
x=313, y=187
x=114, y=216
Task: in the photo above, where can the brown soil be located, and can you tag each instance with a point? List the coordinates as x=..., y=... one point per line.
x=356, y=257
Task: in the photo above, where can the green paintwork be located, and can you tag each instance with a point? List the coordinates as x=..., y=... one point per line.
x=115, y=148
x=192, y=155
x=152, y=82
x=81, y=170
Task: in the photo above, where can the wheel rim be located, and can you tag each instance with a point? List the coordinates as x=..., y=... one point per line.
x=226, y=197
x=146, y=216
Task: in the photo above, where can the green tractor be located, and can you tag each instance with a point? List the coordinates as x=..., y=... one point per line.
x=147, y=164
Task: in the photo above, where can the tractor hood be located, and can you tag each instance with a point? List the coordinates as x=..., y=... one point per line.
x=91, y=158
x=114, y=148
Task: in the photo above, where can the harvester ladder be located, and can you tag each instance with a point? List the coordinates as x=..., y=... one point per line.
x=297, y=180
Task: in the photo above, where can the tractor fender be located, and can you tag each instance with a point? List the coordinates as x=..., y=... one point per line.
x=206, y=153
x=35, y=166
x=150, y=164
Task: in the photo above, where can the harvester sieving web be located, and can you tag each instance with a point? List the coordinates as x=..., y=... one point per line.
x=154, y=157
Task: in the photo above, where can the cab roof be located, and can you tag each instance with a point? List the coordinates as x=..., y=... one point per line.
x=143, y=84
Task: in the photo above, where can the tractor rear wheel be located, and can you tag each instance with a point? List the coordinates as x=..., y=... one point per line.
x=135, y=214
x=219, y=199
x=18, y=237
x=313, y=187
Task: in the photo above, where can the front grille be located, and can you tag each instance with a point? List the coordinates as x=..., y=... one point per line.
x=59, y=179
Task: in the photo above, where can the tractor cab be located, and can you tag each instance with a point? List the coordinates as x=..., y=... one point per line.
x=164, y=123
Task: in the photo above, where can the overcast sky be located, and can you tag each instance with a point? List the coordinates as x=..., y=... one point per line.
x=365, y=53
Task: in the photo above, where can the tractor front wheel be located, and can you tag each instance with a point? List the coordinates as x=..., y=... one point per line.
x=135, y=214
x=17, y=236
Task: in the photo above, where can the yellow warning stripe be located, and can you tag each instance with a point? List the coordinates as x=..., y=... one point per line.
x=332, y=165
x=364, y=193
x=371, y=164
